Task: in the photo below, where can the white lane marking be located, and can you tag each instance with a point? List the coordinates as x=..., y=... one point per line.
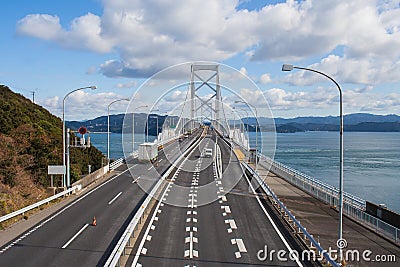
x=191, y=252
x=134, y=181
x=75, y=236
x=160, y=160
x=68, y=206
x=112, y=200
x=291, y=251
x=232, y=223
x=155, y=218
x=226, y=208
x=150, y=168
x=239, y=242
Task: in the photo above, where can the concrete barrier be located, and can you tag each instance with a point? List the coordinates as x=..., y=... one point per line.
x=90, y=178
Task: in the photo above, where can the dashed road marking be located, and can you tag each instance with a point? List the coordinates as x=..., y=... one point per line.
x=75, y=236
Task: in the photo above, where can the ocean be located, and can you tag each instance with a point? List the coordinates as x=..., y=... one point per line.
x=371, y=160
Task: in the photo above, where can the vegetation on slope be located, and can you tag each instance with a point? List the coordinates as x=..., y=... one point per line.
x=30, y=140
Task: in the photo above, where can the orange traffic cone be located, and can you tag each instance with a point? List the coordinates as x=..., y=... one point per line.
x=94, y=223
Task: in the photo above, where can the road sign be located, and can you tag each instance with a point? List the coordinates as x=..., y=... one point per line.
x=82, y=130
x=56, y=169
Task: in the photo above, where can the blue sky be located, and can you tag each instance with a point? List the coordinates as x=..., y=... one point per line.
x=53, y=47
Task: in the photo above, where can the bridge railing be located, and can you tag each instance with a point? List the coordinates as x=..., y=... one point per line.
x=353, y=206
x=291, y=218
x=323, y=191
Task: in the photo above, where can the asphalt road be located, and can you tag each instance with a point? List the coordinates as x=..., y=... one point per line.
x=227, y=230
x=67, y=238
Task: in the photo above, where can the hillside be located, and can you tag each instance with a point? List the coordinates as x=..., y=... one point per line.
x=30, y=140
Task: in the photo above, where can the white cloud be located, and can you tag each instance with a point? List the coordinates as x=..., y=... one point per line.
x=369, y=71
x=85, y=32
x=41, y=26
x=150, y=35
x=357, y=100
x=81, y=102
x=130, y=84
x=265, y=78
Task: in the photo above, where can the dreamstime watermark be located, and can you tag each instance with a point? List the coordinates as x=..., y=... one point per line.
x=349, y=255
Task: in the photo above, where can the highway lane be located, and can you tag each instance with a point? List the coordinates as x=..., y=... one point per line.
x=114, y=203
x=226, y=232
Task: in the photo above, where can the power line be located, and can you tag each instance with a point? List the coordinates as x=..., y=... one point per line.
x=22, y=89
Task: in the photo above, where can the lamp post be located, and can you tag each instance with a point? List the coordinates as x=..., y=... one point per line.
x=66, y=178
x=288, y=67
x=108, y=127
x=133, y=127
x=239, y=101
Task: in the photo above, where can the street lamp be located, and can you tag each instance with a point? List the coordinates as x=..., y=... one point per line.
x=108, y=126
x=288, y=67
x=133, y=127
x=240, y=101
x=66, y=178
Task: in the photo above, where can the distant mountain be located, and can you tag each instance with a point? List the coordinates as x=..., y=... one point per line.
x=100, y=124
x=358, y=122
x=350, y=119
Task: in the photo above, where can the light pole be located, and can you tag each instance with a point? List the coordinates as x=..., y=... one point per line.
x=108, y=126
x=66, y=178
x=239, y=101
x=287, y=67
x=133, y=127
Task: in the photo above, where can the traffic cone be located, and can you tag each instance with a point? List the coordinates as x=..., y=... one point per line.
x=94, y=223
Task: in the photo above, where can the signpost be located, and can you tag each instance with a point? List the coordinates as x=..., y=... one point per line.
x=55, y=169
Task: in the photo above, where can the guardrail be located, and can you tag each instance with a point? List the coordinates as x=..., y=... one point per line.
x=353, y=206
x=323, y=191
x=289, y=215
x=113, y=259
x=37, y=204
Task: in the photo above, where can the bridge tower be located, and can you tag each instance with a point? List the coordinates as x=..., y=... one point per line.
x=205, y=76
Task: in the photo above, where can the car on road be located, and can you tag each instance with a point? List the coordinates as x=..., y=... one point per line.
x=208, y=153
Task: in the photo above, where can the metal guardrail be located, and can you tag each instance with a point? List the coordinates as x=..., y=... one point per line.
x=287, y=213
x=113, y=259
x=37, y=204
x=353, y=206
x=116, y=163
x=321, y=190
